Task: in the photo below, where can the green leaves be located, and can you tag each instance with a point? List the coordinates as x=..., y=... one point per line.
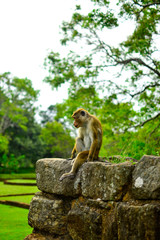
x=17, y=98
x=3, y=144
x=57, y=139
x=117, y=81
x=99, y=19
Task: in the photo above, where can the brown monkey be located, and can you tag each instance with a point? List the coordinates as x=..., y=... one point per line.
x=88, y=142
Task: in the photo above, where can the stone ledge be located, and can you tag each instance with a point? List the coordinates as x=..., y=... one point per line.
x=104, y=201
x=93, y=179
x=49, y=214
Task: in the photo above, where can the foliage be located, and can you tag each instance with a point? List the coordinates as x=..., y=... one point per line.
x=20, y=142
x=3, y=144
x=58, y=141
x=28, y=143
x=129, y=114
x=10, y=163
x=17, y=97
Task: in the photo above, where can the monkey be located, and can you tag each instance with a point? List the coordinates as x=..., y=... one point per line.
x=89, y=140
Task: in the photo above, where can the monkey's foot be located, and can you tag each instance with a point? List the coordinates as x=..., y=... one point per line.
x=67, y=175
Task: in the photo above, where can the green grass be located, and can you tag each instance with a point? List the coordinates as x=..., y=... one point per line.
x=14, y=189
x=23, y=199
x=21, y=181
x=17, y=175
x=14, y=223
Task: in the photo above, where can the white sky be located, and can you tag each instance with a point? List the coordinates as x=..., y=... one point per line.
x=29, y=30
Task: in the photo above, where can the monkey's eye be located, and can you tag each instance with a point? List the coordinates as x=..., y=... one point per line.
x=83, y=113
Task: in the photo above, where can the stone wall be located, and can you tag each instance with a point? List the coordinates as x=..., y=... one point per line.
x=104, y=202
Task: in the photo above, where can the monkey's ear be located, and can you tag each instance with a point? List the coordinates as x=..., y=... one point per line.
x=83, y=113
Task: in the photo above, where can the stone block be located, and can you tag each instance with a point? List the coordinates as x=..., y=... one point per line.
x=146, y=178
x=138, y=222
x=93, y=179
x=48, y=173
x=92, y=219
x=107, y=182
x=49, y=214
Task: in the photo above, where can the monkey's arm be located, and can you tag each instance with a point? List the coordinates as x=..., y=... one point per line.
x=93, y=149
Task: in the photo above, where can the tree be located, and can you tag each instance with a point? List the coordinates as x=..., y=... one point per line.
x=17, y=97
x=137, y=55
x=18, y=130
x=126, y=75
x=58, y=142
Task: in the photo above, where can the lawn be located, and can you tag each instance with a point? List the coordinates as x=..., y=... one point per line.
x=14, y=223
x=17, y=175
x=13, y=220
x=21, y=181
x=6, y=189
x=22, y=199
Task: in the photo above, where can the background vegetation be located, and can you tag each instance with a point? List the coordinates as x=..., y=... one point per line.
x=116, y=81
x=114, y=73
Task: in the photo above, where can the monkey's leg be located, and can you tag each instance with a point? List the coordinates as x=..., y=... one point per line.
x=80, y=159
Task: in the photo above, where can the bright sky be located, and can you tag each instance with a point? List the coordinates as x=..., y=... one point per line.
x=29, y=29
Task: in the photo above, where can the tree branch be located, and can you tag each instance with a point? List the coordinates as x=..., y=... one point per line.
x=122, y=62
x=146, y=5
x=145, y=88
x=154, y=130
x=148, y=120
x=143, y=123
x=140, y=61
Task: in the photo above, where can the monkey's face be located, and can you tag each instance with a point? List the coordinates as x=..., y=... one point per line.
x=79, y=118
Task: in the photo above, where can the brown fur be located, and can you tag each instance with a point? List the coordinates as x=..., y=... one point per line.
x=88, y=142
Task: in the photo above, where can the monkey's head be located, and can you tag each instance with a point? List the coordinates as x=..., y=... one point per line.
x=80, y=117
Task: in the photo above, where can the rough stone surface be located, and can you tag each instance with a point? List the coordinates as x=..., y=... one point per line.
x=146, y=178
x=49, y=213
x=49, y=171
x=44, y=236
x=92, y=219
x=94, y=179
x=104, y=202
x=138, y=222
x=107, y=182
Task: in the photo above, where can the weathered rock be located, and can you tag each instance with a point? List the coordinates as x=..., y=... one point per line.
x=45, y=236
x=48, y=213
x=138, y=222
x=146, y=178
x=99, y=203
x=107, y=182
x=49, y=171
x=92, y=219
x=38, y=236
x=93, y=179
